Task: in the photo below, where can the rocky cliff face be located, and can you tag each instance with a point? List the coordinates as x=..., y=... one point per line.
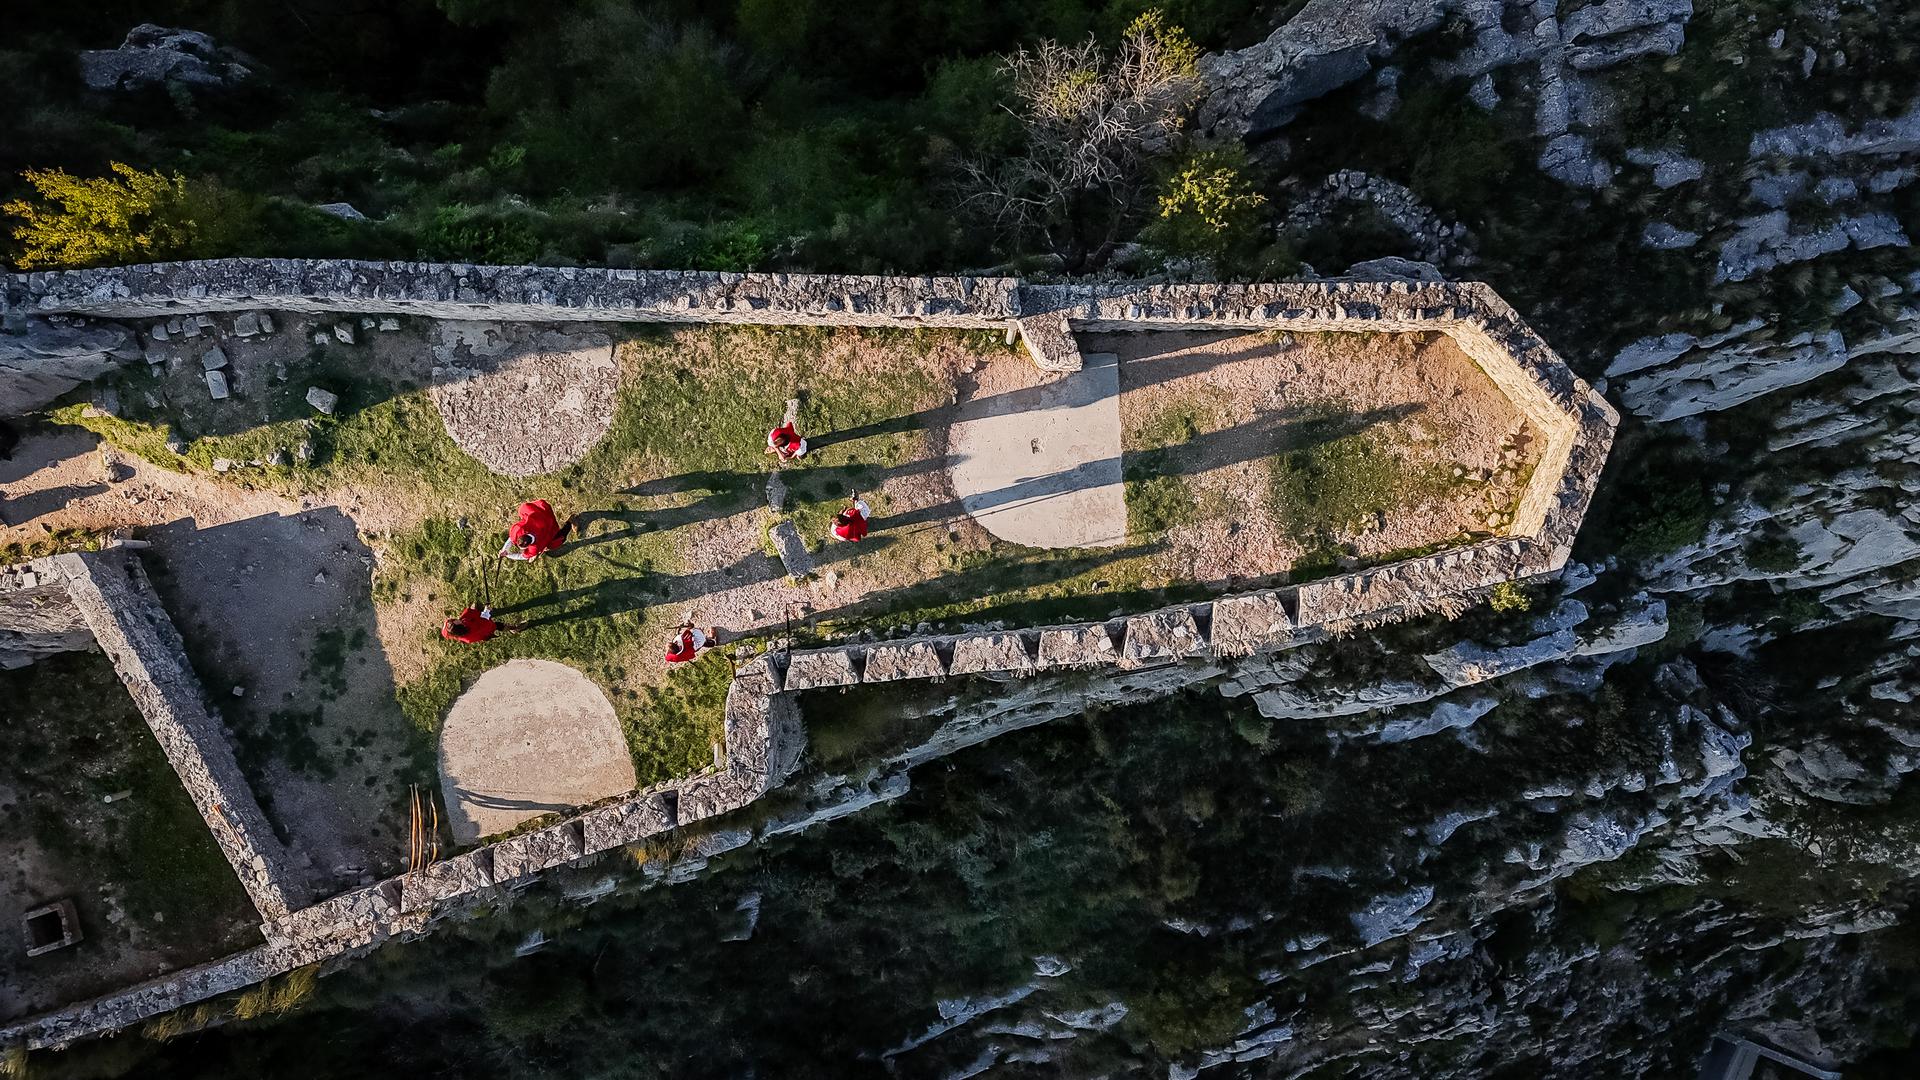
x=1743, y=860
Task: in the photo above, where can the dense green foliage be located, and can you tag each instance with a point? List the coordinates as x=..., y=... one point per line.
x=1079, y=840
x=749, y=135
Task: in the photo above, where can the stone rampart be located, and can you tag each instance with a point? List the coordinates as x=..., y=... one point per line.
x=764, y=732
x=111, y=593
x=37, y=618
x=514, y=293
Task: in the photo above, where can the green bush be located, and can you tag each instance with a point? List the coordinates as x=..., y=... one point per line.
x=479, y=235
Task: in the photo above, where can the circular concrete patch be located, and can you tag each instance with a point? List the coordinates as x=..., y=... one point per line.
x=530, y=737
x=521, y=400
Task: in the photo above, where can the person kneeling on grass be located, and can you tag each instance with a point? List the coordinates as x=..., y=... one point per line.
x=689, y=641
x=536, y=532
x=785, y=442
x=474, y=627
x=851, y=524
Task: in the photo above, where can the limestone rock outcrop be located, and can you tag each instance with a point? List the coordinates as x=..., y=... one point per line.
x=165, y=57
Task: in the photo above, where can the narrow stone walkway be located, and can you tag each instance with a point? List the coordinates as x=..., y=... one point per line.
x=1041, y=467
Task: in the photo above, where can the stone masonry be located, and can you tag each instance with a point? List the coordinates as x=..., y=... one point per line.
x=37, y=618
x=764, y=735
x=114, y=599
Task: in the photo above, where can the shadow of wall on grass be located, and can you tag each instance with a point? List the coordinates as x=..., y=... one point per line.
x=280, y=607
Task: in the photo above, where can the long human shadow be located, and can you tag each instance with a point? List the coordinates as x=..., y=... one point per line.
x=30, y=508
x=733, y=488
x=1280, y=430
x=468, y=796
x=1264, y=435
x=646, y=588
x=1029, y=568
x=1135, y=374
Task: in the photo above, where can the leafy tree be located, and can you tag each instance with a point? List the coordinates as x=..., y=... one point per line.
x=1206, y=208
x=103, y=220
x=1092, y=118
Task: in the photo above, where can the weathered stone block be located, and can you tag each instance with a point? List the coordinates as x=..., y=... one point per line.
x=1076, y=646
x=448, y=879
x=529, y=853
x=628, y=821
x=991, y=652
x=713, y=794
x=1161, y=636
x=1248, y=624
x=823, y=667
x=1049, y=340
x=903, y=660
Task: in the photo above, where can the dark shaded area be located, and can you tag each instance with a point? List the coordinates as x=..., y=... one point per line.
x=148, y=882
x=280, y=607
x=753, y=134
x=1081, y=839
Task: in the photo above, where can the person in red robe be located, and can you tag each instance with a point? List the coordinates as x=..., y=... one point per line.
x=475, y=625
x=536, y=531
x=785, y=442
x=851, y=524
x=689, y=641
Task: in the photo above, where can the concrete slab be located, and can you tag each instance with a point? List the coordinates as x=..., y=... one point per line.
x=1042, y=467
x=530, y=737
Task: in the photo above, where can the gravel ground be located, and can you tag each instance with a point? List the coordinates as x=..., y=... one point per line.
x=1255, y=395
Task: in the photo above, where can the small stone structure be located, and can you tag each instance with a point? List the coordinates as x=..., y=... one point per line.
x=51, y=926
x=764, y=737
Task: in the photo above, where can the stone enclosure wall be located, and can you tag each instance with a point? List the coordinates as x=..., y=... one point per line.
x=764, y=736
x=104, y=599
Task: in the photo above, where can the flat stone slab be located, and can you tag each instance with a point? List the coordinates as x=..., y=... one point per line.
x=1077, y=646
x=1041, y=466
x=530, y=737
x=991, y=652
x=793, y=550
x=523, y=402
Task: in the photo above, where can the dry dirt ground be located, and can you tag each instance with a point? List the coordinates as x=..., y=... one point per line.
x=318, y=589
x=1425, y=422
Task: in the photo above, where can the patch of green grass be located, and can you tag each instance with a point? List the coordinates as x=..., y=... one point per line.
x=1343, y=477
x=1158, y=503
x=1510, y=597
x=1157, y=498
x=53, y=543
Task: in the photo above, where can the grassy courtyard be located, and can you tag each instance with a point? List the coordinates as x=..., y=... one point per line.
x=1239, y=470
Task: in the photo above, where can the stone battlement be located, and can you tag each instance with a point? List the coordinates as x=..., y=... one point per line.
x=764, y=734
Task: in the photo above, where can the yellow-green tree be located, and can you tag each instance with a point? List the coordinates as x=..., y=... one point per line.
x=1207, y=208
x=98, y=221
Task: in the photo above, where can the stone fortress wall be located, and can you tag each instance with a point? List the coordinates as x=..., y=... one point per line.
x=764, y=736
x=106, y=595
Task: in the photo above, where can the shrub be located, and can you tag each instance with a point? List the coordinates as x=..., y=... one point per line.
x=1774, y=554
x=1509, y=596
x=473, y=234
x=1206, y=208
x=102, y=221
